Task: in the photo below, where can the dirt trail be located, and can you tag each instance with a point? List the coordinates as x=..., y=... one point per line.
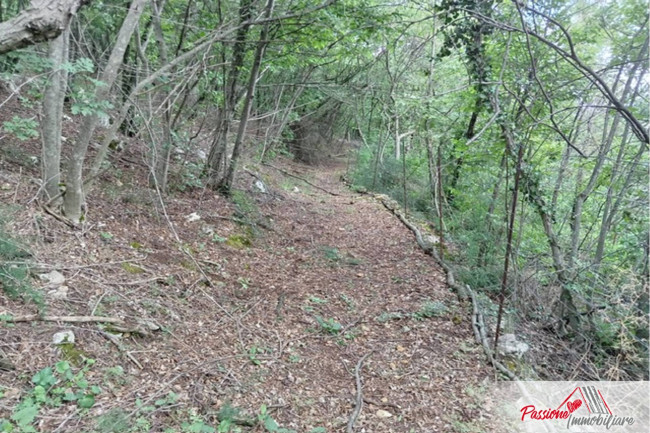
x=285, y=321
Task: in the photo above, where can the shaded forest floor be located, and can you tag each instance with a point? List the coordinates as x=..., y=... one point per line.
x=269, y=299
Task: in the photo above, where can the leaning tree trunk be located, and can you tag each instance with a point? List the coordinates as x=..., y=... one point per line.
x=43, y=20
x=52, y=117
x=74, y=198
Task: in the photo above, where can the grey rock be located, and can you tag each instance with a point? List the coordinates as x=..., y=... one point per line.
x=63, y=337
x=53, y=279
x=509, y=345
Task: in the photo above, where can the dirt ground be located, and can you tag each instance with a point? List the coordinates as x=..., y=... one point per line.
x=270, y=301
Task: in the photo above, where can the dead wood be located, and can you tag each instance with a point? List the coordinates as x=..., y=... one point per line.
x=41, y=21
x=478, y=325
x=359, y=402
x=143, y=328
x=67, y=319
x=116, y=341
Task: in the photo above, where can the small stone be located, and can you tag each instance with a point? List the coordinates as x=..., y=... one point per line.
x=260, y=186
x=60, y=293
x=295, y=189
x=54, y=279
x=63, y=337
x=208, y=229
x=192, y=217
x=383, y=413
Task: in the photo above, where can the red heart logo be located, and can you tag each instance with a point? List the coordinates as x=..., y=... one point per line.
x=573, y=405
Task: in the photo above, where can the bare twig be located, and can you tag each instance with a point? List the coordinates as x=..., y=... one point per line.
x=67, y=319
x=116, y=341
x=359, y=401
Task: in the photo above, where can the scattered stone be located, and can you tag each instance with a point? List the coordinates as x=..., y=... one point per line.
x=208, y=229
x=431, y=239
x=63, y=337
x=509, y=345
x=295, y=189
x=383, y=413
x=60, y=293
x=192, y=217
x=260, y=186
x=53, y=279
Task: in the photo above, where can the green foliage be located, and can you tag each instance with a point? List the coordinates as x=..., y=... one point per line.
x=332, y=254
x=430, y=309
x=239, y=240
x=14, y=270
x=269, y=424
x=131, y=268
x=52, y=387
x=329, y=326
x=115, y=420
x=22, y=128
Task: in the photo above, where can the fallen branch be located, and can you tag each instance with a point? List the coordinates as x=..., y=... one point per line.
x=359, y=402
x=59, y=217
x=67, y=319
x=478, y=324
x=143, y=327
x=428, y=249
x=300, y=178
x=116, y=341
x=479, y=330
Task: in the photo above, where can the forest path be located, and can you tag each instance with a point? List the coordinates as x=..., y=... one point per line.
x=345, y=261
x=281, y=322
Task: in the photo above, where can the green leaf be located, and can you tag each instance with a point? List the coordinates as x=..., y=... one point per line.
x=44, y=378
x=26, y=415
x=270, y=424
x=62, y=366
x=87, y=401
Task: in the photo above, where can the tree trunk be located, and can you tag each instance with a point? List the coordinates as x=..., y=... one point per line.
x=226, y=185
x=219, y=148
x=74, y=198
x=41, y=21
x=52, y=118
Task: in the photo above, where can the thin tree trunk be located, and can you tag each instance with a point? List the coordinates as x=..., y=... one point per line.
x=74, y=197
x=52, y=118
x=219, y=148
x=484, y=243
x=576, y=213
x=225, y=186
x=511, y=226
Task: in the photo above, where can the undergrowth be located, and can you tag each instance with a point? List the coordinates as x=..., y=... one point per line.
x=14, y=269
